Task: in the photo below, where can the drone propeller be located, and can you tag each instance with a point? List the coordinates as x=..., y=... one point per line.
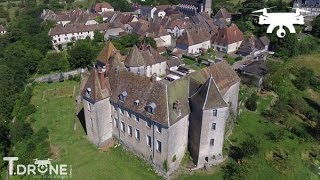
x=258, y=15
x=263, y=10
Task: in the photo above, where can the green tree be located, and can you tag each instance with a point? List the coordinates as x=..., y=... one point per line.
x=316, y=27
x=98, y=36
x=82, y=54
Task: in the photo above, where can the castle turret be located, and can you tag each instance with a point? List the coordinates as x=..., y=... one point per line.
x=207, y=124
x=97, y=108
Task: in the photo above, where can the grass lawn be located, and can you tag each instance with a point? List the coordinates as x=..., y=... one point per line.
x=55, y=110
x=311, y=61
x=259, y=166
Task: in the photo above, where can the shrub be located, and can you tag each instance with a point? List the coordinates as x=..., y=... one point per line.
x=251, y=103
x=174, y=158
x=275, y=135
x=239, y=58
x=165, y=165
x=249, y=147
x=234, y=171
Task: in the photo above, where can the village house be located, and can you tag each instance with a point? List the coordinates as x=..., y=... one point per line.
x=228, y=39
x=223, y=14
x=73, y=32
x=177, y=26
x=253, y=46
x=194, y=41
x=114, y=30
x=103, y=7
x=63, y=18
x=159, y=119
x=145, y=61
x=159, y=34
x=192, y=7
x=3, y=29
x=309, y=5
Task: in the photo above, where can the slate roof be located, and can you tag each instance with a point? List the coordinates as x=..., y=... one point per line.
x=265, y=40
x=228, y=35
x=208, y=96
x=76, y=28
x=222, y=13
x=193, y=36
x=257, y=68
x=99, y=85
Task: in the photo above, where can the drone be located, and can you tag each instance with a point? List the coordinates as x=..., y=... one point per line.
x=280, y=19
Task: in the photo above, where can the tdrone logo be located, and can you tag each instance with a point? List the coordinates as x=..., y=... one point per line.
x=281, y=19
x=40, y=168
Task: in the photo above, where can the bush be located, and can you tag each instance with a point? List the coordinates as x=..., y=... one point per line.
x=174, y=158
x=251, y=103
x=275, y=135
x=165, y=165
x=234, y=171
x=249, y=147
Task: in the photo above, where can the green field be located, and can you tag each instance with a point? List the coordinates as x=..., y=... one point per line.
x=55, y=110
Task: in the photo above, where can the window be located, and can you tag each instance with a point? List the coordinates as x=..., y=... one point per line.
x=123, y=127
x=138, y=134
x=211, y=142
x=214, y=112
x=158, y=129
x=130, y=130
x=133, y=117
x=149, y=141
x=213, y=126
x=159, y=146
x=148, y=124
x=115, y=121
x=89, y=107
x=91, y=122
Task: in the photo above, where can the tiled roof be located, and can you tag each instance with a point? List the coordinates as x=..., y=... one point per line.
x=194, y=36
x=156, y=31
x=208, y=96
x=222, y=13
x=228, y=35
x=76, y=28
x=143, y=56
x=99, y=86
x=222, y=73
x=74, y=16
x=98, y=7
x=107, y=52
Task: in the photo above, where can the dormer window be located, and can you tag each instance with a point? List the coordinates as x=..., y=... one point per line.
x=136, y=102
x=123, y=96
x=151, y=108
x=88, y=92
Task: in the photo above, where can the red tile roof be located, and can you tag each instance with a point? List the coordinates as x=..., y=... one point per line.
x=98, y=7
x=228, y=35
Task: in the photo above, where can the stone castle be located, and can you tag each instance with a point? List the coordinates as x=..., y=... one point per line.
x=159, y=117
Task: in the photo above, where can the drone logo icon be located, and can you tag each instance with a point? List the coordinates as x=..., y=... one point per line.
x=280, y=20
